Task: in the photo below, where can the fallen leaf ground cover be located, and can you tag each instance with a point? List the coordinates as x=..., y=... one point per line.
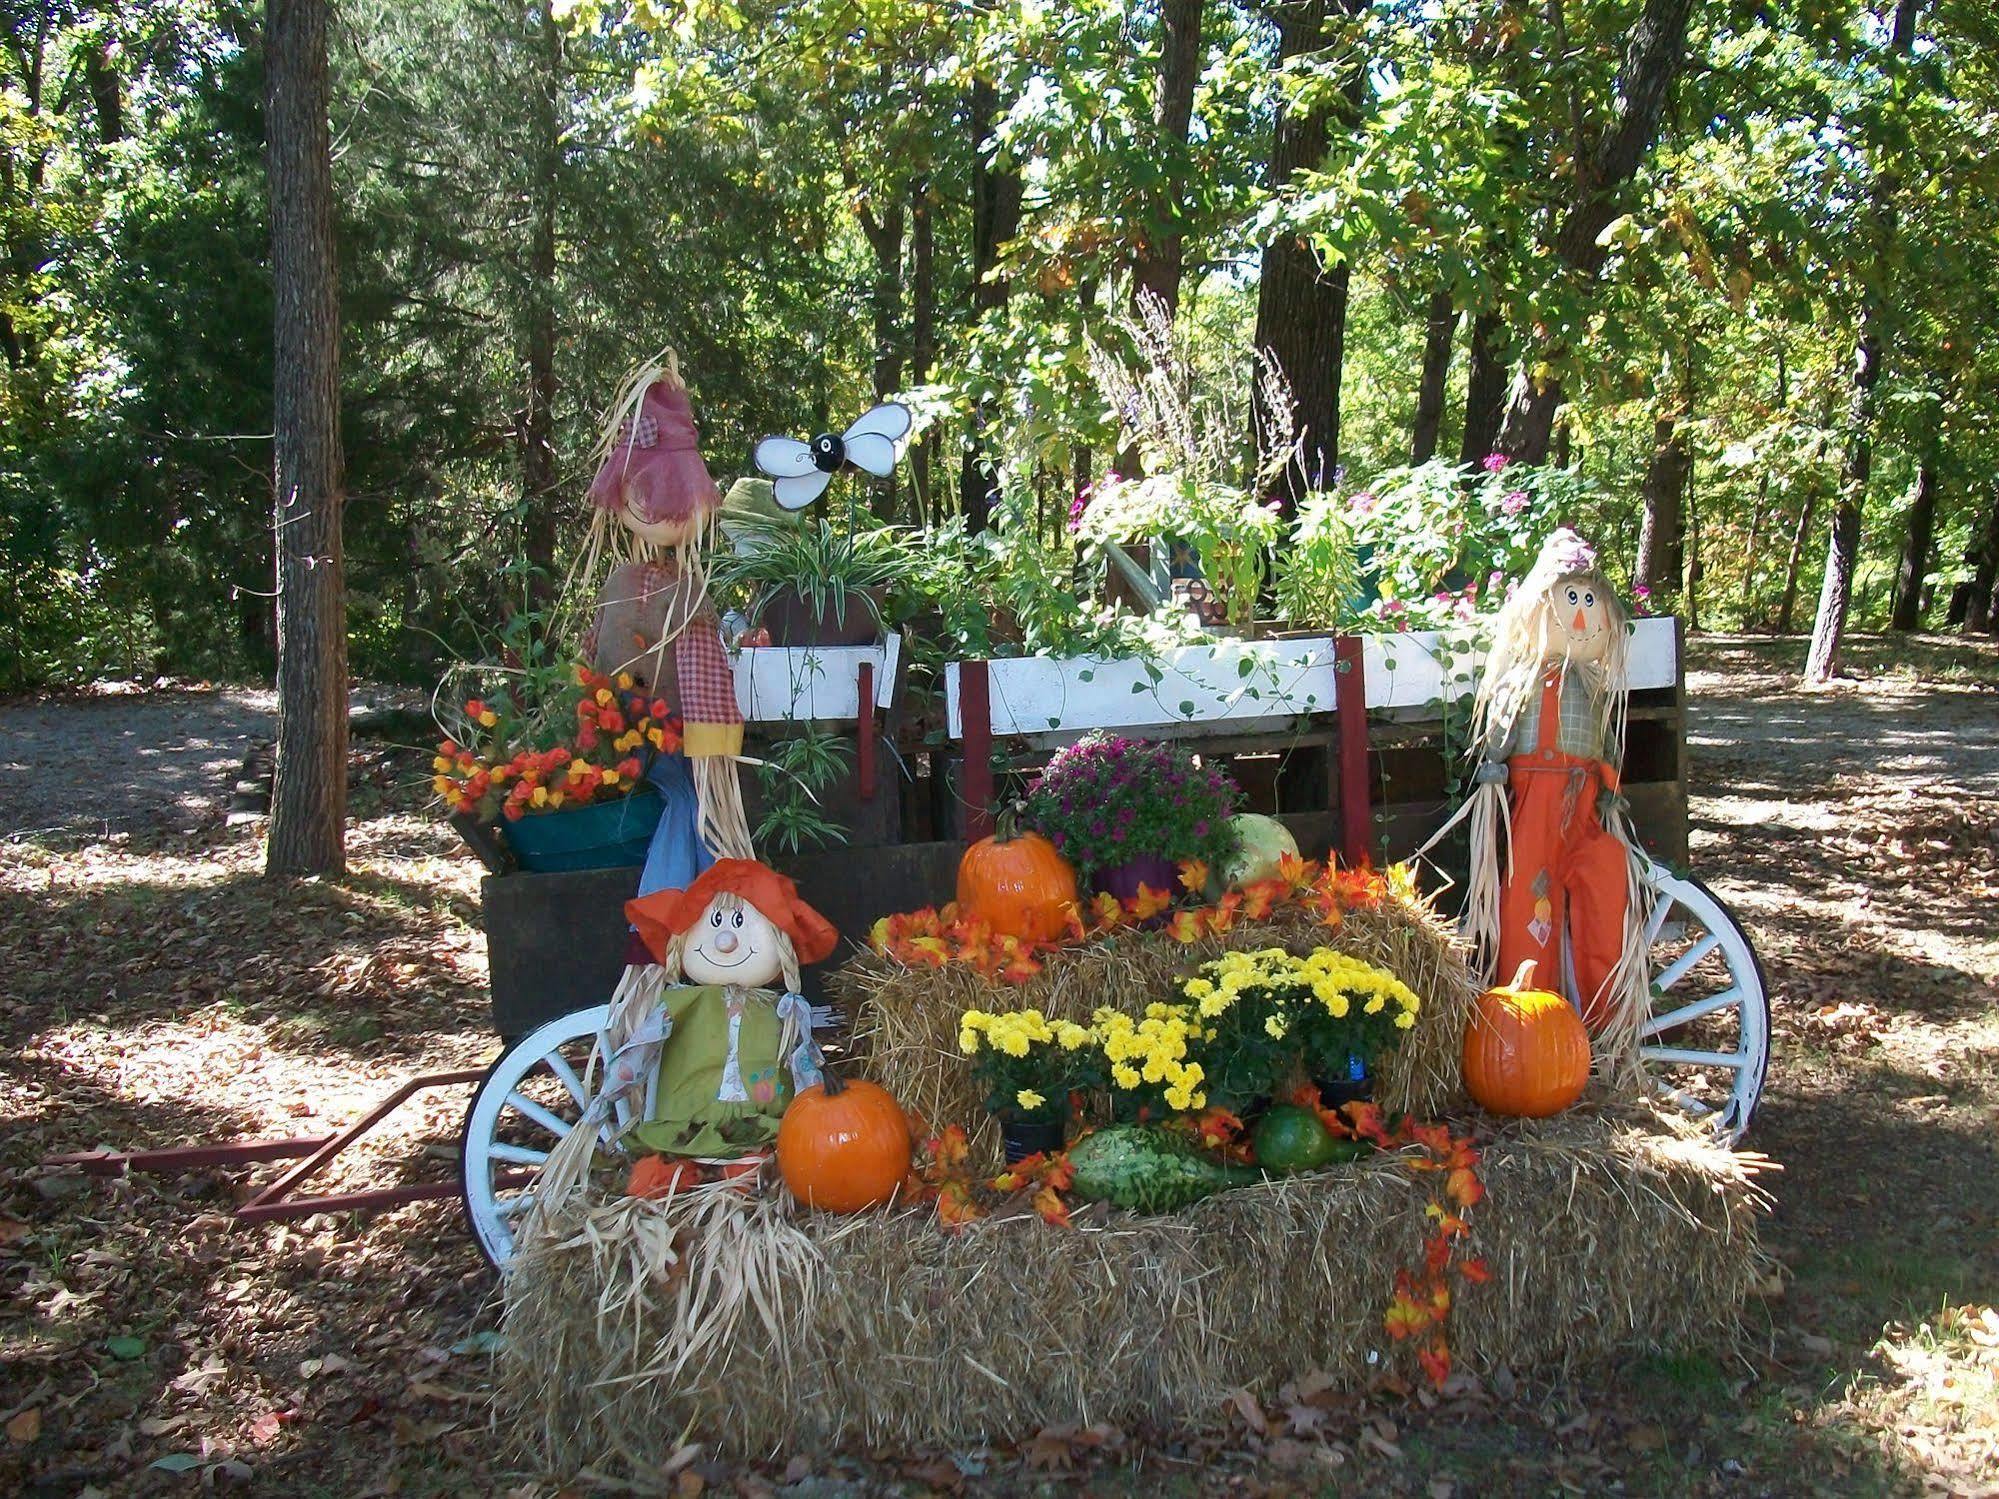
x=157, y=991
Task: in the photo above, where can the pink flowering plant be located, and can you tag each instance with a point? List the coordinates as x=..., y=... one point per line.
x=1108, y=799
x=1443, y=540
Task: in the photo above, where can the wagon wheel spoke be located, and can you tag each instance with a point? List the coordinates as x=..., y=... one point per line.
x=533, y=1097
x=1706, y=1042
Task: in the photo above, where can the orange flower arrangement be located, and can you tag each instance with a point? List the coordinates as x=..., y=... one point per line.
x=933, y=937
x=618, y=730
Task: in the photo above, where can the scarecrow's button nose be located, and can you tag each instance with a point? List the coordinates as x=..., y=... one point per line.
x=726, y=942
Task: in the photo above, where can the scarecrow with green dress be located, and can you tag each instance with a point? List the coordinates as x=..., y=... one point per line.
x=708, y=1051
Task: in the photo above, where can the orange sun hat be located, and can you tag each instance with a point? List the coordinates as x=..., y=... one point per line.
x=665, y=914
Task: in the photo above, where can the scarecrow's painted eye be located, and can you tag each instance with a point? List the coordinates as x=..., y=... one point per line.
x=1572, y=595
x=714, y=918
x=739, y=920
x=1590, y=599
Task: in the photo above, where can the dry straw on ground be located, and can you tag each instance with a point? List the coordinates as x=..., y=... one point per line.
x=906, y=1026
x=1604, y=1232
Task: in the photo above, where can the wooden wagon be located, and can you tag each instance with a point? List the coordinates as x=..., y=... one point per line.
x=1354, y=742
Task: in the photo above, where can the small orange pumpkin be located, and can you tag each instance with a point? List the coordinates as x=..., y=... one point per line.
x=1526, y=1052
x=843, y=1146
x=1017, y=884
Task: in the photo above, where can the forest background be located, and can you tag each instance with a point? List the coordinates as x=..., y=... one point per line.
x=1730, y=265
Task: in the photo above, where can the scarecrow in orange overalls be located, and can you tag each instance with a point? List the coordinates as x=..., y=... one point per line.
x=1548, y=726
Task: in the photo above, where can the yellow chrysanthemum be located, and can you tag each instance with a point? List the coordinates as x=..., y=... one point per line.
x=1027, y=1098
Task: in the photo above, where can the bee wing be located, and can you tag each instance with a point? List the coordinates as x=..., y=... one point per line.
x=871, y=451
x=784, y=458
x=891, y=419
x=796, y=491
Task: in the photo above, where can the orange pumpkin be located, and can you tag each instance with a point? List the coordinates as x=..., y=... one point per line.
x=843, y=1146
x=1526, y=1052
x=1017, y=884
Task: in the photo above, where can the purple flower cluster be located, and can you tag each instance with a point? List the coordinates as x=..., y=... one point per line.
x=1109, y=798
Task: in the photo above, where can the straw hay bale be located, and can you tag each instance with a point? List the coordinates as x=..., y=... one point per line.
x=906, y=1019
x=1603, y=1234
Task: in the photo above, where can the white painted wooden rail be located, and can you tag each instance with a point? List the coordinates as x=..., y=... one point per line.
x=1242, y=681
x=783, y=684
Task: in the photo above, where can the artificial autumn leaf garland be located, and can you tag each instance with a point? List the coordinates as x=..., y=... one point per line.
x=933, y=937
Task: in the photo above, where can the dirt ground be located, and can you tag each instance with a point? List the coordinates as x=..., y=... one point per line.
x=159, y=992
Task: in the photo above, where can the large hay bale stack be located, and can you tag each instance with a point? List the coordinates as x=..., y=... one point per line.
x=1603, y=1231
x=906, y=1019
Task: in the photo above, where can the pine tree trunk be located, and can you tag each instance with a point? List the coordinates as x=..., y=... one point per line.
x=884, y=235
x=1661, y=532
x=1971, y=606
x=1301, y=304
x=995, y=220
x=922, y=331
x=537, y=423
x=1485, y=389
x=309, y=791
x=1440, y=330
x=1843, y=545
x=1907, y=610
x=1161, y=256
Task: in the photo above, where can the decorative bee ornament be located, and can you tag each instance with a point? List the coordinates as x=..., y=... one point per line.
x=800, y=471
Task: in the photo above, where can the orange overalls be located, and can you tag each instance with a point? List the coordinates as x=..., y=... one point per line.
x=1567, y=874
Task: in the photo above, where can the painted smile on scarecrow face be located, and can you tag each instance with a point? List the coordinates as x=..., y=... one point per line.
x=1582, y=622
x=733, y=944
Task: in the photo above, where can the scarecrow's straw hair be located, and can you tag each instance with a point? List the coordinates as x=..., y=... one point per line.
x=906, y=1026
x=635, y=1325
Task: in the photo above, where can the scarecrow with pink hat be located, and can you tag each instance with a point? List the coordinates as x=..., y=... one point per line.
x=654, y=509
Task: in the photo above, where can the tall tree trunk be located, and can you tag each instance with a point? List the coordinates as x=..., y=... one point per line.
x=1485, y=389
x=1160, y=260
x=537, y=421
x=105, y=96
x=1907, y=611
x=995, y=220
x=1440, y=330
x=1653, y=59
x=1662, y=561
x=1787, y=609
x=884, y=236
x=1971, y=605
x=309, y=792
x=1661, y=532
x=1301, y=303
x=922, y=329
x=1843, y=544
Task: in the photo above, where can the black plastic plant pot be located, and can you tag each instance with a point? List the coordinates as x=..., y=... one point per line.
x=1021, y=1138
x=792, y=620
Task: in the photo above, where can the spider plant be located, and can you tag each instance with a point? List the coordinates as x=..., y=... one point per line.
x=828, y=567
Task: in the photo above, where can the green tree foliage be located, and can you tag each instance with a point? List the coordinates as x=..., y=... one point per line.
x=1666, y=240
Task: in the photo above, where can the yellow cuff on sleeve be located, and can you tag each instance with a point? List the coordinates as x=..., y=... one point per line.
x=701, y=740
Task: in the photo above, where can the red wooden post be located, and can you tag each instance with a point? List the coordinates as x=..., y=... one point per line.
x=867, y=731
x=1350, y=702
x=975, y=708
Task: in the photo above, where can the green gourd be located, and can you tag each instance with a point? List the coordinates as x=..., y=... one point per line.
x=1148, y=1169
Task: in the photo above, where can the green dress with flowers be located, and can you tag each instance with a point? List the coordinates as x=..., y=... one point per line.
x=722, y=1083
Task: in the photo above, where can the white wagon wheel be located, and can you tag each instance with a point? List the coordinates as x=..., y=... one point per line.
x=530, y=1098
x=1706, y=1043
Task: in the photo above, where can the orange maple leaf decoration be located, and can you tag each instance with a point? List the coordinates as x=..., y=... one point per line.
x=1149, y=902
x=1420, y=1307
x=1194, y=876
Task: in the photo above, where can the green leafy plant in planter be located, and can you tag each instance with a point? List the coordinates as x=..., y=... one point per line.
x=791, y=777
x=1197, y=489
x=1318, y=581
x=830, y=572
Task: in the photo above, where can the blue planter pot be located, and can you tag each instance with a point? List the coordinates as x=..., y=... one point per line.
x=603, y=835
